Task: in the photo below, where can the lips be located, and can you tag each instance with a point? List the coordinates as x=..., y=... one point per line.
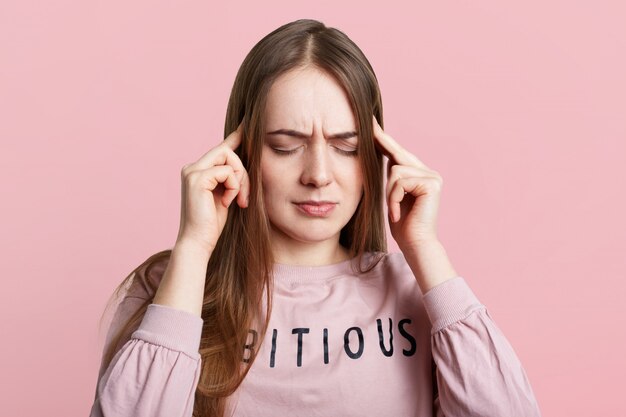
x=316, y=208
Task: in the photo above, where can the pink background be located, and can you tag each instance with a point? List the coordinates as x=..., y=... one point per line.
x=521, y=108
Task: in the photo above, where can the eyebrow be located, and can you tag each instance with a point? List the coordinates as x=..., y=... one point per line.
x=290, y=132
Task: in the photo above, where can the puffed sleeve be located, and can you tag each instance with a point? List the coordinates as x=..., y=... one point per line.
x=155, y=374
x=477, y=370
x=156, y=367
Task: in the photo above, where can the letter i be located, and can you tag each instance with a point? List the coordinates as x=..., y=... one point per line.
x=325, y=345
x=273, y=353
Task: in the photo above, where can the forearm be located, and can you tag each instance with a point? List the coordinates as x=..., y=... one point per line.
x=430, y=264
x=182, y=285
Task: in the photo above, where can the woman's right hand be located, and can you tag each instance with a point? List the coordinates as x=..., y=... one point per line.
x=208, y=186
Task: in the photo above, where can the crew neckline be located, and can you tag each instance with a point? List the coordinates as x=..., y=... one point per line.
x=297, y=273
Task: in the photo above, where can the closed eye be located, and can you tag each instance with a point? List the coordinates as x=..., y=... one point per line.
x=349, y=153
x=292, y=151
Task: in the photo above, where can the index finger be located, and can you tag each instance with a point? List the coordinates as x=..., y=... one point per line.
x=393, y=149
x=388, y=145
x=221, y=154
x=233, y=140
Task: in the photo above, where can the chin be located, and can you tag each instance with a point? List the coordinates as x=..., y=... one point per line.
x=309, y=233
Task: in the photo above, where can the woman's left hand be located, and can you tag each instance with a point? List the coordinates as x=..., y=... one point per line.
x=413, y=191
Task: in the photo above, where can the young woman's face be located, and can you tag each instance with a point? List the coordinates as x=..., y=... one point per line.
x=311, y=110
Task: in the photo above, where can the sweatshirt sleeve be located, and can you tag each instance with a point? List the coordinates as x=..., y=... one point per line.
x=156, y=371
x=477, y=370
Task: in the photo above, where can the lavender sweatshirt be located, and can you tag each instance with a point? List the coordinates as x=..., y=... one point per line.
x=337, y=344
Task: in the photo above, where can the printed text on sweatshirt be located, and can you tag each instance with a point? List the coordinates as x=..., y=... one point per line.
x=338, y=344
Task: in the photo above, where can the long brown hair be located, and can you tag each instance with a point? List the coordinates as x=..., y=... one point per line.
x=239, y=269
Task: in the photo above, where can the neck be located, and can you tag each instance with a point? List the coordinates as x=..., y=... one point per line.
x=309, y=253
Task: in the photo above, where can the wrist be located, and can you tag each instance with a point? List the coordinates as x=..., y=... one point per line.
x=192, y=246
x=430, y=264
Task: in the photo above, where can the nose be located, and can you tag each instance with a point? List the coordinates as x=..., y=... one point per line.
x=317, y=169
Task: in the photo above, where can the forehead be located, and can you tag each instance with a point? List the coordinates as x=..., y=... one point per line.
x=303, y=98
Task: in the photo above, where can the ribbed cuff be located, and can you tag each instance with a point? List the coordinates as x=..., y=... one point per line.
x=171, y=328
x=449, y=302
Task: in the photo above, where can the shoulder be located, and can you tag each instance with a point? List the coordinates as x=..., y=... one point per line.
x=395, y=263
x=147, y=276
x=140, y=289
x=397, y=281
x=394, y=270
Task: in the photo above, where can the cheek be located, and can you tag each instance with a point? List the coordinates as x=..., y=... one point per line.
x=355, y=184
x=352, y=171
x=267, y=174
x=271, y=181
x=278, y=176
x=275, y=190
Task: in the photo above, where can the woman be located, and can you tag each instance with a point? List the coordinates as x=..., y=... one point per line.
x=286, y=302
